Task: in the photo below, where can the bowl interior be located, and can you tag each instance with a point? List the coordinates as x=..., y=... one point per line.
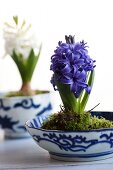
x=37, y=121
x=105, y=114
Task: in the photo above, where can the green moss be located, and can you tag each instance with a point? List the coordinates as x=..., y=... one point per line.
x=71, y=121
x=20, y=93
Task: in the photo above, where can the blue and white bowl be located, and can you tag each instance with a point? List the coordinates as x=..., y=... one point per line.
x=87, y=145
x=15, y=111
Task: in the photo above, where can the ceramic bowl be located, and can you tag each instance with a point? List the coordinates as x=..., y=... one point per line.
x=15, y=111
x=87, y=145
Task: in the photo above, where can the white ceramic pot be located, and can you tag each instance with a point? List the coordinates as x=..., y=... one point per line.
x=15, y=111
x=87, y=145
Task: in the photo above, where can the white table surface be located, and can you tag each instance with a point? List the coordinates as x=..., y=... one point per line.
x=22, y=154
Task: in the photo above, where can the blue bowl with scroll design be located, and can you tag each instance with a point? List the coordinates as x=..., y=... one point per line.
x=15, y=111
x=85, y=145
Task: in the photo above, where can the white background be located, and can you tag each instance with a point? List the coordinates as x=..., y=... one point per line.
x=91, y=20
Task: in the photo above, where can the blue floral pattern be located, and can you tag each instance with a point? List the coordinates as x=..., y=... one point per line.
x=3, y=107
x=48, y=108
x=76, y=143
x=7, y=123
x=27, y=104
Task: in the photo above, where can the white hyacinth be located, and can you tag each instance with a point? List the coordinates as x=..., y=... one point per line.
x=19, y=36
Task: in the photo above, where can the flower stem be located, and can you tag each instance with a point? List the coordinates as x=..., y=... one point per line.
x=26, y=89
x=85, y=94
x=68, y=98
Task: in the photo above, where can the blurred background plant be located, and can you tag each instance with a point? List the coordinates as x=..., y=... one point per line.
x=21, y=44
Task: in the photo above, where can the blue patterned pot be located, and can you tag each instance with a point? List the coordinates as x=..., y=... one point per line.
x=15, y=111
x=86, y=145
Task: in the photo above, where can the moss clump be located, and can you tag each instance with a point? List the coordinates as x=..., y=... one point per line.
x=20, y=93
x=71, y=121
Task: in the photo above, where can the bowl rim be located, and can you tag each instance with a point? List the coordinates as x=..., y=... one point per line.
x=78, y=131
x=3, y=97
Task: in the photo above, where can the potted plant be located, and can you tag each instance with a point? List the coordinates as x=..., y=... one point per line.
x=17, y=107
x=74, y=134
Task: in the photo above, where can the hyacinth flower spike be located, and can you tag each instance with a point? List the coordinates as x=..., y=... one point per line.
x=22, y=46
x=73, y=73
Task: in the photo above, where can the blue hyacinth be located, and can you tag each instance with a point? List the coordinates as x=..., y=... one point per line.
x=71, y=64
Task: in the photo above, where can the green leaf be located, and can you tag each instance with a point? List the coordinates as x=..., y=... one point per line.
x=19, y=61
x=85, y=95
x=31, y=63
x=68, y=98
x=26, y=66
x=15, y=18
